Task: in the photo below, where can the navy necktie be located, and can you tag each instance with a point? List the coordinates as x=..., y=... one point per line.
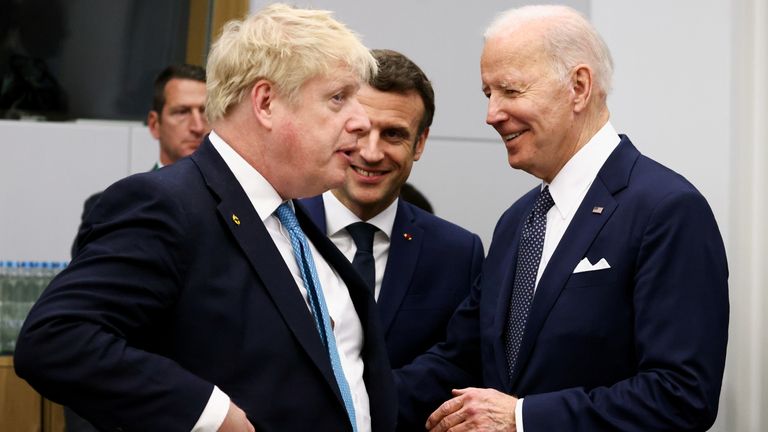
x=303, y=255
x=362, y=234
x=528, y=258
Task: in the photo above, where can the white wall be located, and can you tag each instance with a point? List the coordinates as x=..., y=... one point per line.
x=47, y=170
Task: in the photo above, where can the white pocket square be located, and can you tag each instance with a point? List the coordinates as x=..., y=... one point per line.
x=585, y=266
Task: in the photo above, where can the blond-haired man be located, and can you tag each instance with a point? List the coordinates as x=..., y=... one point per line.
x=204, y=302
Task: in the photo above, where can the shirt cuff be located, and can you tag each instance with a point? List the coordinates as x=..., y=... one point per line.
x=519, y=415
x=214, y=413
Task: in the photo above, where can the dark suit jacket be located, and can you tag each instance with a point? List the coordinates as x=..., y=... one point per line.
x=169, y=296
x=88, y=205
x=637, y=347
x=428, y=274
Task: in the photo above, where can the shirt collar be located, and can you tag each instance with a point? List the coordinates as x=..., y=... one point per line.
x=338, y=216
x=570, y=185
x=262, y=195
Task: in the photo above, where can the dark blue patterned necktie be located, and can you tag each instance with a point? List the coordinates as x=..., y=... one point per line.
x=528, y=258
x=362, y=234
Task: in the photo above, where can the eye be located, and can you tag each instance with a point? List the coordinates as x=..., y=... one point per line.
x=394, y=134
x=339, y=97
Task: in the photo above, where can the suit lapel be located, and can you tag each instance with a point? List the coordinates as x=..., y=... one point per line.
x=582, y=231
x=249, y=231
x=404, y=249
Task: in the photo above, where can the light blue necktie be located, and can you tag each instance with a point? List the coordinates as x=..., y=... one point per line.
x=303, y=256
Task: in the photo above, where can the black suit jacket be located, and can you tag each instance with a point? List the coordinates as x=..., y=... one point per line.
x=177, y=287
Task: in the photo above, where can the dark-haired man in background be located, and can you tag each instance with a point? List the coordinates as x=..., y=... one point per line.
x=177, y=118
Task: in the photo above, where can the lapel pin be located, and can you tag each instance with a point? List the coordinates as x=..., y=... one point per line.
x=235, y=219
x=597, y=210
x=407, y=236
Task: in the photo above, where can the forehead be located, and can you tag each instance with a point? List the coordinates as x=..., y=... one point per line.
x=339, y=78
x=513, y=57
x=182, y=90
x=405, y=108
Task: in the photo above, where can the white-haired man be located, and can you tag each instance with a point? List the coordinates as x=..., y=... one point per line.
x=603, y=301
x=199, y=300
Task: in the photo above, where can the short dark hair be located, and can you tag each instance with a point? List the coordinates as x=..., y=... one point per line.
x=181, y=71
x=398, y=73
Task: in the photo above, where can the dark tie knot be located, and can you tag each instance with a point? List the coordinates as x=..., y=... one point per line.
x=544, y=202
x=362, y=234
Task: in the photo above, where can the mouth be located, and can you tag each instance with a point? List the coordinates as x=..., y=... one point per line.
x=512, y=136
x=368, y=174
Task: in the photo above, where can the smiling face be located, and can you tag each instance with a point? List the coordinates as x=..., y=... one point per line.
x=528, y=105
x=316, y=134
x=181, y=125
x=383, y=158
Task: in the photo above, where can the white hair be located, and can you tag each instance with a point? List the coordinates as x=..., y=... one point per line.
x=569, y=39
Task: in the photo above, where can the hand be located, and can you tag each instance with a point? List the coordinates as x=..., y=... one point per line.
x=236, y=421
x=474, y=409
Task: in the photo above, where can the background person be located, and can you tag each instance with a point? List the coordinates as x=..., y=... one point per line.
x=177, y=118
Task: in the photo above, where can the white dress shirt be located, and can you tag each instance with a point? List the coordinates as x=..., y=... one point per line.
x=347, y=330
x=568, y=189
x=338, y=217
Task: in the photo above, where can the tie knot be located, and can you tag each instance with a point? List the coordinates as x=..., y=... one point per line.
x=544, y=202
x=362, y=234
x=287, y=216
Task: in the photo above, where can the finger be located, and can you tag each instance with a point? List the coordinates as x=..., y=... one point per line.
x=447, y=408
x=459, y=392
x=452, y=422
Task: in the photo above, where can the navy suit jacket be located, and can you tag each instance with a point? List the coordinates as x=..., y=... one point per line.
x=636, y=347
x=179, y=287
x=431, y=266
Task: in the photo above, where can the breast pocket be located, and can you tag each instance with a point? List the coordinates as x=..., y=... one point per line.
x=594, y=277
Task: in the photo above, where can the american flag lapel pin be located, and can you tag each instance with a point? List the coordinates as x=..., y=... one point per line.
x=597, y=210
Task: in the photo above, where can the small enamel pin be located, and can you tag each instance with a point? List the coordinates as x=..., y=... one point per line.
x=235, y=219
x=407, y=236
x=597, y=210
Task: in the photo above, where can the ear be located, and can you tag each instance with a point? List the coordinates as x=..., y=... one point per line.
x=420, y=143
x=581, y=85
x=262, y=98
x=153, y=122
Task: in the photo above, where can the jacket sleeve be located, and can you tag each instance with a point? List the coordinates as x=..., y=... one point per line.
x=91, y=341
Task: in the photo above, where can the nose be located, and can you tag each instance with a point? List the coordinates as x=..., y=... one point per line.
x=198, y=123
x=369, y=146
x=358, y=122
x=495, y=113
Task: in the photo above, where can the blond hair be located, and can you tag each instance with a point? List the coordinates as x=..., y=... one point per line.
x=569, y=40
x=284, y=45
